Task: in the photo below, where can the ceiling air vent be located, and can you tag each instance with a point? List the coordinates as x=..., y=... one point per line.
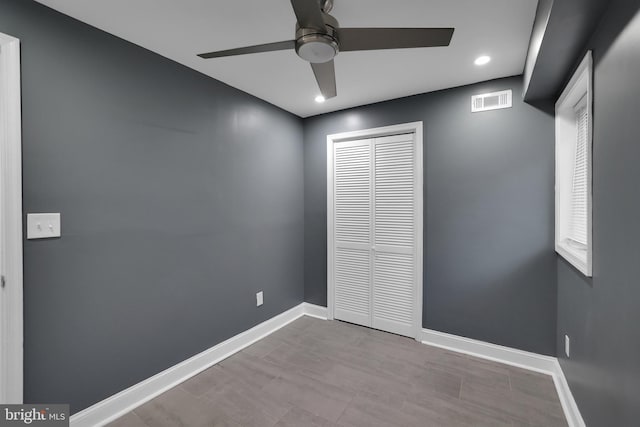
x=491, y=101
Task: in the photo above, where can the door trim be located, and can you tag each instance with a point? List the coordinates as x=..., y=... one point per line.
x=413, y=127
x=11, y=335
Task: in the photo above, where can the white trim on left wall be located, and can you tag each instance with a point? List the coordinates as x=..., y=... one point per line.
x=11, y=301
x=119, y=404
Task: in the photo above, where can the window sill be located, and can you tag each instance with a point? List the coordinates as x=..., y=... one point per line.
x=579, y=258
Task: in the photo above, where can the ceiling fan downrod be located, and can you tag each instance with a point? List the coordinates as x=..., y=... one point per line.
x=326, y=5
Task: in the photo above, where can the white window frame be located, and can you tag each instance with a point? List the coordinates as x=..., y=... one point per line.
x=579, y=87
x=413, y=127
x=11, y=299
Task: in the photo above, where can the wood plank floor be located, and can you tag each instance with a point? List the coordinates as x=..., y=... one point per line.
x=329, y=373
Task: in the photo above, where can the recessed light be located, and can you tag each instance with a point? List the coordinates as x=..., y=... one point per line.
x=482, y=60
x=320, y=99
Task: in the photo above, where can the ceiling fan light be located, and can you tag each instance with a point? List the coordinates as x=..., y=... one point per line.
x=317, y=51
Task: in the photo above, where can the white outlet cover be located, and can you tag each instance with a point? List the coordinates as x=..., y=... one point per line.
x=567, y=345
x=259, y=299
x=43, y=225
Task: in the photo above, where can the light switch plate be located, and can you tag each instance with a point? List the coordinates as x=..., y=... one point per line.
x=43, y=225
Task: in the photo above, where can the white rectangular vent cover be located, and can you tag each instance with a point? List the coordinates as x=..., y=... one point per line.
x=491, y=101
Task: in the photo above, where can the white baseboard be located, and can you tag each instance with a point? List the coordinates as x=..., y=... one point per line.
x=494, y=352
x=119, y=404
x=569, y=405
x=522, y=359
x=316, y=311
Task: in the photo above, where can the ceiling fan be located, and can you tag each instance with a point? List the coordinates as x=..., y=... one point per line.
x=319, y=38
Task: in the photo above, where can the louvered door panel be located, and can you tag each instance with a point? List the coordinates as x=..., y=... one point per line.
x=393, y=292
x=394, y=263
x=394, y=191
x=352, y=231
x=353, y=285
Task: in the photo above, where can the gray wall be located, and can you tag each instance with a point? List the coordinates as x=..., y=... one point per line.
x=489, y=263
x=602, y=315
x=180, y=198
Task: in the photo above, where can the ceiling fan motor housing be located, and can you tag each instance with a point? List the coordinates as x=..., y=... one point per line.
x=316, y=45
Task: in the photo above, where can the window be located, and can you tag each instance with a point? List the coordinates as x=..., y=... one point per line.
x=573, y=169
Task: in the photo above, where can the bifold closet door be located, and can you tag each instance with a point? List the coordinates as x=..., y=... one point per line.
x=394, y=230
x=375, y=252
x=352, y=231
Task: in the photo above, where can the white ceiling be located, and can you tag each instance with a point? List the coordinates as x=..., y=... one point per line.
x=181, y=29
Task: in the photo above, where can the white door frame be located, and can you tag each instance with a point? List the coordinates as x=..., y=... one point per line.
x=416, y=128
x=11, y=300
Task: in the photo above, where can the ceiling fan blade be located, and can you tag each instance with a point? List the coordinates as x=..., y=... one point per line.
x=352, y=39
x=267, y=47
x=326, y=77
x=308, y=14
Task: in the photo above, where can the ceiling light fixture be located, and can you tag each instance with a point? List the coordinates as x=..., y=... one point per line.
x=482, y=60
x=320, y=99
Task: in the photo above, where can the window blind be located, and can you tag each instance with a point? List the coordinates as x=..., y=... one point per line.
x=579, y=188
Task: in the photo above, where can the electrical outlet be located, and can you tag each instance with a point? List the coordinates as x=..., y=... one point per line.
x=567, y=346
x=259, y=299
